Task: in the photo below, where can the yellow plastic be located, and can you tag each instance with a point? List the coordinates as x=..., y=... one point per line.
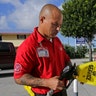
x=87, y=73
x=28, y=89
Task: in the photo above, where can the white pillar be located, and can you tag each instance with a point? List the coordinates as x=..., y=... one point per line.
x=75, y=87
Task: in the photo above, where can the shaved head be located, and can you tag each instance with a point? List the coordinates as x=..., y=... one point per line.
x=49, y=11
x=50, y=21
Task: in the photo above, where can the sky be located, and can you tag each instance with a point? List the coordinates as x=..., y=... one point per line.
x=22, y=16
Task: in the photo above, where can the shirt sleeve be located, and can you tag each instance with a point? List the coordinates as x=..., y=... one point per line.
x=23, y=62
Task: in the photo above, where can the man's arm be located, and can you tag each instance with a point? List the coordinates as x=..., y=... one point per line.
x=29, y=80
x=52, y=83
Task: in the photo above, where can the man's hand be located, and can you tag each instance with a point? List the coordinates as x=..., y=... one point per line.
x=54, y=83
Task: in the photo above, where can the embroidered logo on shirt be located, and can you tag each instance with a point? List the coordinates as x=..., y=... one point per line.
x=17, y=68
x=61, y=48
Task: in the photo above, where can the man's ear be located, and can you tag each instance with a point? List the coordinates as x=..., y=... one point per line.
x=42, y=18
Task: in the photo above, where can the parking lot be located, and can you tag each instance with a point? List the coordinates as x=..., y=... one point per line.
x=9, y=88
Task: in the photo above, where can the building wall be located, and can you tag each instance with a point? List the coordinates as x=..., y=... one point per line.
x=13, y=38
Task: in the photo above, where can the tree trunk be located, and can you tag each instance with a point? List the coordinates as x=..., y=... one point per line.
x=90, y=51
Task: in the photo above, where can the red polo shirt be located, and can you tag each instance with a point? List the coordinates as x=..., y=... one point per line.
x=40, y=58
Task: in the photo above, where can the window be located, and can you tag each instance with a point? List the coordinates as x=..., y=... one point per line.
x=21, y=36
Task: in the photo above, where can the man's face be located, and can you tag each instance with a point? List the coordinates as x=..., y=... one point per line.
x=52, y=27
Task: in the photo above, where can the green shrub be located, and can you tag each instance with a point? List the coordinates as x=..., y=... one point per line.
x=78, y=52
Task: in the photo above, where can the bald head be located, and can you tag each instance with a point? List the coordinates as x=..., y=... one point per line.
x=49, y=11
x=50, y=21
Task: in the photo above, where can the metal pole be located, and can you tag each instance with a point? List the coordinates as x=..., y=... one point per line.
x=75, y=87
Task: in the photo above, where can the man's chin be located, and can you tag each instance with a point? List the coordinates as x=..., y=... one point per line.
x=52, y=37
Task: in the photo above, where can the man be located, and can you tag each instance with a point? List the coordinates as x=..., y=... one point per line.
x=41, y=57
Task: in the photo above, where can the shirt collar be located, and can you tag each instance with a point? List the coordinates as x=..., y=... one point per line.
x=40, y=38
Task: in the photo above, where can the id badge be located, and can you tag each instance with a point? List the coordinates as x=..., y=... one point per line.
x=42, y=52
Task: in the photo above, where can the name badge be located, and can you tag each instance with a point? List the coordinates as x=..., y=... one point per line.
x=42, y=52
